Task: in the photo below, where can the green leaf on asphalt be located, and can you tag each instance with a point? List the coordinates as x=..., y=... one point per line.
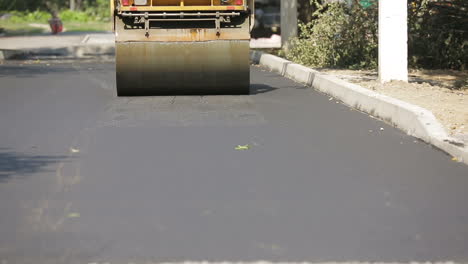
x=73, y=215
x=243, y=147
x=74, y=150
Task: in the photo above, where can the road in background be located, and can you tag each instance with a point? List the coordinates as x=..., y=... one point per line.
x=87, y=177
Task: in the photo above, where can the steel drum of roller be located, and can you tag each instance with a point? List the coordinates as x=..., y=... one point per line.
x=184, y=49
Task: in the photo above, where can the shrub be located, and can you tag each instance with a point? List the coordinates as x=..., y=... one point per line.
x=75, y=16
x=344, y=37
x=29, y=17
x=438, y=34
x=90, y=14
x=338, y=37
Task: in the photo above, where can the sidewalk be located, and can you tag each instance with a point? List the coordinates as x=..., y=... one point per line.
x=74, y=44
x=81, y=44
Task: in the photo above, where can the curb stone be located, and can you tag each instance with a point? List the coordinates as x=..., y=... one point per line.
x=414, y=120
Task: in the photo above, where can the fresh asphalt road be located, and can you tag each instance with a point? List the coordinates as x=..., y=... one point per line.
x=87, y=177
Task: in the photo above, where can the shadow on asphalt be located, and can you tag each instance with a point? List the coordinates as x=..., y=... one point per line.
x=257, y=88
x=14, y=164
x=28, y=71
x=34, y=67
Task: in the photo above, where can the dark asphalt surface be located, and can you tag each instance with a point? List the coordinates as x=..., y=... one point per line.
x=87, y=177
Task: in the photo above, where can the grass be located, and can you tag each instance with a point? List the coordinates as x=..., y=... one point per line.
x=89, y=26
x=26, y=29
x=36, y=22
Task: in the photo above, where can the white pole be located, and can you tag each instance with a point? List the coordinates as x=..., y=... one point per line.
x=393, y=40
x=288, y=21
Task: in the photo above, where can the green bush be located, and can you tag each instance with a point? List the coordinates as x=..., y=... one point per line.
x=102, y=10
x=344, y=37
x=338, y=37
x=438, y=34
x=29, y=17
x=91, y=14
x=75, y=16
x=95, y=11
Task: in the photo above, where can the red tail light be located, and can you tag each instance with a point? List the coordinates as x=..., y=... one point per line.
x=239, y=2
x=125, y=2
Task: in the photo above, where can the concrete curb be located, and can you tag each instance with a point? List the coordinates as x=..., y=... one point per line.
x=414, y=120
x=77, y=51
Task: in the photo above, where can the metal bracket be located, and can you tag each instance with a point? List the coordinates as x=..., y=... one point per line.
x=147, y=25
x=218, y=26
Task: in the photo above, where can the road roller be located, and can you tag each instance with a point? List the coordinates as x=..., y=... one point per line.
x=182, y=47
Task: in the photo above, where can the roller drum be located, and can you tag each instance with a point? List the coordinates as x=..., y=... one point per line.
x=216, y=67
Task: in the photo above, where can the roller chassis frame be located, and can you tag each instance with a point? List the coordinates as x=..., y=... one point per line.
x=146, y=17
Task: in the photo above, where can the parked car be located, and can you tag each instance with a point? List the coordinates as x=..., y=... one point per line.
x=267, y=18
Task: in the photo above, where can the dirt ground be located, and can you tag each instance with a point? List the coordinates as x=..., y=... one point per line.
x=443, y=92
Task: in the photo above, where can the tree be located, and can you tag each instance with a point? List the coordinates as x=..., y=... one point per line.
x=52, y=7
x=438, y=34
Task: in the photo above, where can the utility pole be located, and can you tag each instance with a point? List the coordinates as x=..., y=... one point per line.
x=393, y=40
x=288, y=21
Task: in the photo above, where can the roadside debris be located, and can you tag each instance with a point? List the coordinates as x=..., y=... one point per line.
x=56, y=25
x=73, y=215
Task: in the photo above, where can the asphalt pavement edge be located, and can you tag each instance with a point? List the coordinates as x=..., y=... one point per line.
x=6, y=54
x=75, y=51
x=414, y=120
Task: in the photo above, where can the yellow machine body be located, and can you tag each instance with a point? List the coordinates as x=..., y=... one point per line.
x=188, y=47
